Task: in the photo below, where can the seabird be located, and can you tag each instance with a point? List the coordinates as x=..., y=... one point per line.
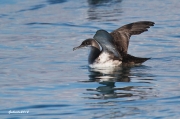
x=110, y=49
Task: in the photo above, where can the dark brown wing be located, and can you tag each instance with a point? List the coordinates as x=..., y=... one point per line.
x=122, y=35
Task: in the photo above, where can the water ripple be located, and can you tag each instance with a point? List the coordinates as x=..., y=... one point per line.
x=39, y=71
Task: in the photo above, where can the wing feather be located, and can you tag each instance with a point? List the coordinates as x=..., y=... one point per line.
x=106, y=42
x=122, y=35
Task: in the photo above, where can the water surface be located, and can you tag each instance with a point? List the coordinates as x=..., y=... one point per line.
x=40, y=73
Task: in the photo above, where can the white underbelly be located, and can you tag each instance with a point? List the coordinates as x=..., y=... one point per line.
x=104, y=60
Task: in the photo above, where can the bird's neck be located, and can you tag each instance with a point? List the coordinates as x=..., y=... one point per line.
x=94, y=53
x=95, y=44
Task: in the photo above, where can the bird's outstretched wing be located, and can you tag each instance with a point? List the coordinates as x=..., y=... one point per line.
x=122, y=35
x=106, y=42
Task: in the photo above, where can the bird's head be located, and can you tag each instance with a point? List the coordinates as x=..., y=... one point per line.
x=87, y=43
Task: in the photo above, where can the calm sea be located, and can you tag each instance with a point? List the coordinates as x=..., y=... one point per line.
x=42, y=77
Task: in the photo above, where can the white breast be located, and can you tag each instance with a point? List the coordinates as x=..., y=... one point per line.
x=104, y=60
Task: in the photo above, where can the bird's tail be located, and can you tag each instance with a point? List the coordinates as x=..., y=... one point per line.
x=129, y=59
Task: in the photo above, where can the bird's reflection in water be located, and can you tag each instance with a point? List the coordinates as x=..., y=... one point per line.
x=115, y=74
x=108, y=77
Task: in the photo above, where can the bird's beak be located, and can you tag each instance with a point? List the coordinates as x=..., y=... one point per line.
x=75, y=48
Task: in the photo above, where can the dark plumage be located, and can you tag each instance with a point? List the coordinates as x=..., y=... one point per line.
x=122, y=35
x=115, y=44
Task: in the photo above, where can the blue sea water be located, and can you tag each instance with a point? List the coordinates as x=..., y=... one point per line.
x=42, y=76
